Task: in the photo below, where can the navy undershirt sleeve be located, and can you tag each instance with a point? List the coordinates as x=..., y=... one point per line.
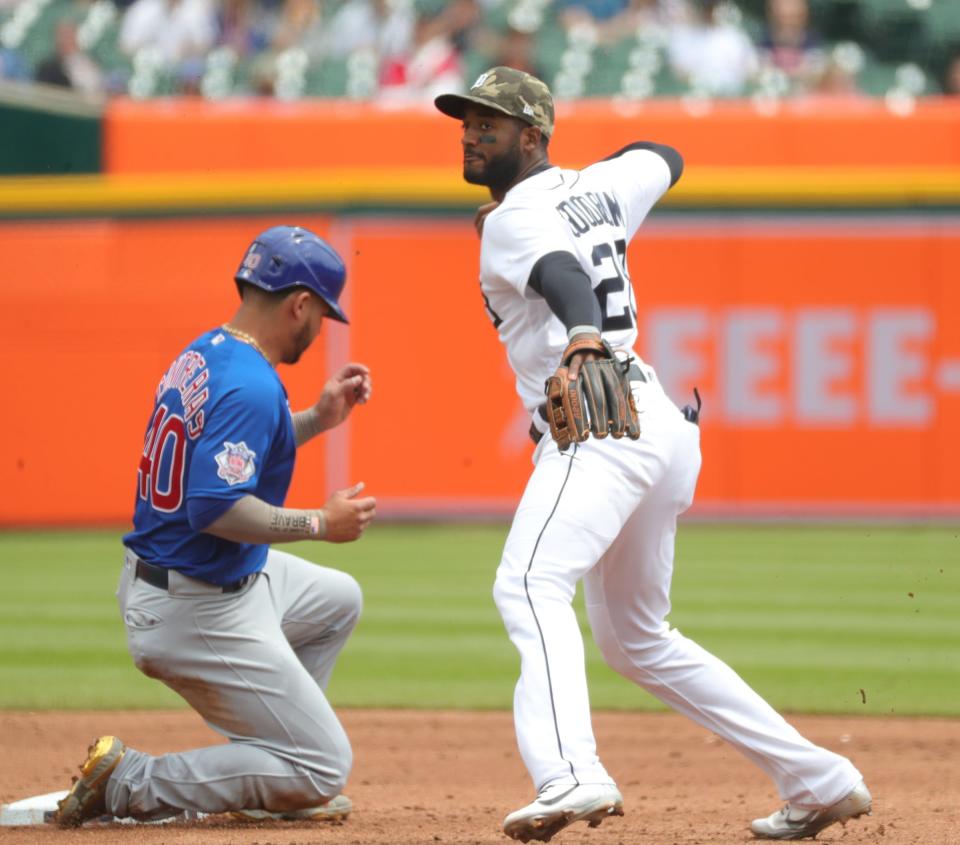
x=673, y=159
x=561, y=281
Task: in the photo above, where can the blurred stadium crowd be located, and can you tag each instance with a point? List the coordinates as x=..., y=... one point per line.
x=409, y=50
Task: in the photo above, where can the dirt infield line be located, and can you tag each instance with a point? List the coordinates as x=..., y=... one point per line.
x=430, y=777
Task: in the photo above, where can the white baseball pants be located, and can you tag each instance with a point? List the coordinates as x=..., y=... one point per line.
x=606, y=511
x=254, y=664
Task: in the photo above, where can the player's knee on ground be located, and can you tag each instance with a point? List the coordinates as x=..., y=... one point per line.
x=329, y=772
x=311, y=791
x=333, y=782
x=326, y=786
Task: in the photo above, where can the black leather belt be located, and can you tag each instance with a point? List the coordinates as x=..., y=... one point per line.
x=159, y=576
x=633, y=374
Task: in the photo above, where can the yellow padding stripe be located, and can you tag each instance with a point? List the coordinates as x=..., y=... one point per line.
x=188, y=190
x=818, y=186
x=713, y=186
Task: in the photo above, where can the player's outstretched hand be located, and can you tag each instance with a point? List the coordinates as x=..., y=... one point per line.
x=349, y=386
x=347, y=516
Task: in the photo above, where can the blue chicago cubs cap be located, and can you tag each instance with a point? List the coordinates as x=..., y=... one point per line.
x=290, y=256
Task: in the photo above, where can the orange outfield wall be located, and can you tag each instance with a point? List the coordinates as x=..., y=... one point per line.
x=244, y=136
x=827, y=351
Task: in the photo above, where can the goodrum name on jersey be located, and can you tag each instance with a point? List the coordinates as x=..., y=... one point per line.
x=585, y=211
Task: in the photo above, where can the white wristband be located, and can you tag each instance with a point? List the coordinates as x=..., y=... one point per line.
x=318, y=525
x=572, y=333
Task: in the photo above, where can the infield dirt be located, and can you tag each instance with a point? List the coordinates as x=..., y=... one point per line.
x=450, y=777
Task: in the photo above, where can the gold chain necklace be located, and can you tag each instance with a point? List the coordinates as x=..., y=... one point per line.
x=244, y=338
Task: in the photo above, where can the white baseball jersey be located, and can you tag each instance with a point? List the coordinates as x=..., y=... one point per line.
x=592, y=213
x=605, y=511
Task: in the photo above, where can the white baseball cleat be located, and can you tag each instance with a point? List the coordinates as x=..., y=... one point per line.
x=560, y=805
x=797, y=823
x=335, y=810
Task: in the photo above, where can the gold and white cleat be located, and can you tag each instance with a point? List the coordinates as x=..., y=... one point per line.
x=87, y=797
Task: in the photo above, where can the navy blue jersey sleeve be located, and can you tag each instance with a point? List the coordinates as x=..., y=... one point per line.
x=203, y=512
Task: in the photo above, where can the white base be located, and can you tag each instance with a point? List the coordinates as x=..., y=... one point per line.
x=39, y=809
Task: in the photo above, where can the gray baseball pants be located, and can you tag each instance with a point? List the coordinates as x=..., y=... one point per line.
x=254, y=664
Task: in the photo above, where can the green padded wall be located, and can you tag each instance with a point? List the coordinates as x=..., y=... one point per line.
x=35, y=140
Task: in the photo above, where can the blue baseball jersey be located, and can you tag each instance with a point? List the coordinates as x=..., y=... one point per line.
x=221, y=429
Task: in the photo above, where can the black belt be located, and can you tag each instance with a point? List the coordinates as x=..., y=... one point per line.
x=159, y=576
x=633, y=374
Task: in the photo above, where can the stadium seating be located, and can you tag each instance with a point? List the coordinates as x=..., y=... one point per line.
x=898, y=46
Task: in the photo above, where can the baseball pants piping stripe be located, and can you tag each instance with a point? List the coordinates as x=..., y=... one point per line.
x=533, y=611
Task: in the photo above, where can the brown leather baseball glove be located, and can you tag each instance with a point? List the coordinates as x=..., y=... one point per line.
x=598, y=402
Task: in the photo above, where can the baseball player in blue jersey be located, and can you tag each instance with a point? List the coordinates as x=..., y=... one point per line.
x=248, y=635
x=598, y=508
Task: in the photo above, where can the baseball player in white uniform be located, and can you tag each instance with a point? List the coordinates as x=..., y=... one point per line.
x=553, y=275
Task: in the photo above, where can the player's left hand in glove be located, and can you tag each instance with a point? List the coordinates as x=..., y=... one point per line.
x=590, y=394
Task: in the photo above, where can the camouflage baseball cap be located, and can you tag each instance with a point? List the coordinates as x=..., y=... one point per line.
x=506, y=90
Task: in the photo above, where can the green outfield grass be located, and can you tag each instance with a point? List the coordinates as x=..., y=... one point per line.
x=809, y=615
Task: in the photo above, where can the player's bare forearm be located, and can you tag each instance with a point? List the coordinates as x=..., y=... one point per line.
x=252, y=520
x=306, y=426
x=343, y=518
